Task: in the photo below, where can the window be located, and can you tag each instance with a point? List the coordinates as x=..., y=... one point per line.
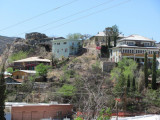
x=58, y=43
x=66, y=50
x=65, y=43
x=58, y=51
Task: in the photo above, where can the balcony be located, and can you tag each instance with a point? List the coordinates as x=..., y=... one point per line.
x=138, y=55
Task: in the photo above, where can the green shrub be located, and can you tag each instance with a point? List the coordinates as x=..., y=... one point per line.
x=18, y=56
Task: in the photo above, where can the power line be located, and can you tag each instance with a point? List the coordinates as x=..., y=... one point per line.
x=29, y=19
x=102, y=10
x=68, y=16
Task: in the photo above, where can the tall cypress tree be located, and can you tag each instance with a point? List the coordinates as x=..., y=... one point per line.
x=154, y=73
x=133, y=84
x=128, y=83
x=2, y=95
x=146, y=70
x=115, y=41
x=109, y=40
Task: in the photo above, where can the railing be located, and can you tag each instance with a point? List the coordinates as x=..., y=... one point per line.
x=138, y=55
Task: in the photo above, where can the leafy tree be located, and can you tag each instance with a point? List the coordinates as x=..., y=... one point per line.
x=126, y=66
x=2, y=95
x=10, y=70
x=113, y=32
x=146, y=70
x=154, y=85
x=105, y=114
x=41, y=70
x=67, y=90
x=78, y=36
x=78, y=118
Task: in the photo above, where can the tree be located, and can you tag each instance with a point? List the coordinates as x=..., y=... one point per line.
x=91, y=92
x=116, y=33
x=133, y=84
x=115, y=41
x=120, y=86
x=78, y=36
x=2, y=95
x=128, y=83
x=113, y=32
x=10, y=70
x=126, y=66
x=109, y=41
x=154, y=85
x=141, y=80
x=146, y=70
x=67, y=90
x=105, y=114
x=41, y=70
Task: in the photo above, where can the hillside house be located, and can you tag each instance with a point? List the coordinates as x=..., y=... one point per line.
x=29, y=63
x=99, y=39
x=65, y=47
x=134, y=47
x=23, y=75
x=25, y=111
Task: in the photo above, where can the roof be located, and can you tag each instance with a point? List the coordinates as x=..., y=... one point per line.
x=101, y=34
x=19, y=104
x=7, y=73
x=10, y=80
x=29, y=71
x=137, y=38
x=33, y=59
x=56, y=40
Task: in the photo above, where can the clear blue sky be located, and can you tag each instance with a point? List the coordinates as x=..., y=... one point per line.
x=134, y=17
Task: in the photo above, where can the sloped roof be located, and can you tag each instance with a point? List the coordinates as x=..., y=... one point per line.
x=137, y=37
x=101, y=34
x=32, y=59
x=104, y=34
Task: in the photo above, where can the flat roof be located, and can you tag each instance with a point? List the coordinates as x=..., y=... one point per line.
x=33, y=59
x=20, y=104
x=65, y=40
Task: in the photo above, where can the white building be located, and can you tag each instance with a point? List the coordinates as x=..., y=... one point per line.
x=135, y=47
x=65, y=47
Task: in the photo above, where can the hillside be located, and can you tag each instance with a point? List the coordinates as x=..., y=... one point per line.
x=35, y=44
x=4, y=41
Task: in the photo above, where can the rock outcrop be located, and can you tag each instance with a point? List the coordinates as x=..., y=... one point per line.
x=35, y=36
